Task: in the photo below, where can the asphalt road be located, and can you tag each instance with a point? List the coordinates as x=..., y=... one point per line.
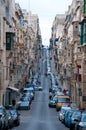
x=40, y=116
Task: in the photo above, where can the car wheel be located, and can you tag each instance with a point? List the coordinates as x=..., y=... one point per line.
x=59, y=119
x=18, y=123
x=0, y=125
x=71, y=128
x=48, y=105
x=6, y=127
x=3, y=127
x=57, y=109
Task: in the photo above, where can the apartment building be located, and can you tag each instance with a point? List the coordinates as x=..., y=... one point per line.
x=73, y=63
x=56, y=43
x=6, y=14
x=72, y=52
x=17, y=54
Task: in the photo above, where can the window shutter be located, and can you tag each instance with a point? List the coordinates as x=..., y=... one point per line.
x=81, y=35
x=9, y=41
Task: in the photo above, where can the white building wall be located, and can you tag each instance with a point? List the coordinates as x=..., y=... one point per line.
x=59, y=30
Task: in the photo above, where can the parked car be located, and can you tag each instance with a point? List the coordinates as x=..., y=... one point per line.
x=3, y=119
x=62, y=100
x=0, y=123
x=16, y=116
x=50, y=95
x=75, y=117
x=31, y=91
x=10, y=119
x=68, y=118
x=62, y=112
x=24, y=104
x=30, y=86
x=28, y=96
x=50, y=89
x=53, y=91
x=81, y=124
x=40, y=88
x=52, y=102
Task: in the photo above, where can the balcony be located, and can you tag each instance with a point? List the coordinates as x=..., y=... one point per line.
x=21, y=41
x=26, y=62
x=76, y=32
x=69, y=60
x=18, y=63
x=74, y=78
x=78, y=57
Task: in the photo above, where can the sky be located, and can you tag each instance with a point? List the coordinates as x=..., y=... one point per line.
x=46, y=11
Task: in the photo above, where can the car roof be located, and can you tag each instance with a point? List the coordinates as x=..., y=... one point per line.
x=65, y=107
x=63, y=96
x=28, y=88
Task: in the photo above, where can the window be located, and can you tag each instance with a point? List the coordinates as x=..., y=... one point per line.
x=69, y=53
x=63, y=100
x=9, y=41
x=83, y=32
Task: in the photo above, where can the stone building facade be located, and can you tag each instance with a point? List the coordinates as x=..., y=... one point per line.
x=72, y=53
x=17, y=53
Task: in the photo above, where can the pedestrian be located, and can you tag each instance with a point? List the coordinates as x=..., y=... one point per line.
x=64, y=91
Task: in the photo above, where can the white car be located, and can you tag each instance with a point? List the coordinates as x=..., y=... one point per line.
x=40, y=88
x=62, y=112
x=24, y=104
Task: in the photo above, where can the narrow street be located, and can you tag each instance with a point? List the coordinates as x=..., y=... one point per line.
x=42, y=64
x=40, y=116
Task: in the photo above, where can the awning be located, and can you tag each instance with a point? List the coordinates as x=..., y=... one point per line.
x=12, y=88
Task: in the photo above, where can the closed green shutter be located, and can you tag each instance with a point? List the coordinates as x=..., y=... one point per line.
x=9, y=41
x=84, y=7
x=81, y=35
x=84, y=33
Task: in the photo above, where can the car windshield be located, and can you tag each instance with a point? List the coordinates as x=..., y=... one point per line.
x=83, y=119
x=76, y=114
x=64, y=109
x=24, y=99
x=64, y=100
